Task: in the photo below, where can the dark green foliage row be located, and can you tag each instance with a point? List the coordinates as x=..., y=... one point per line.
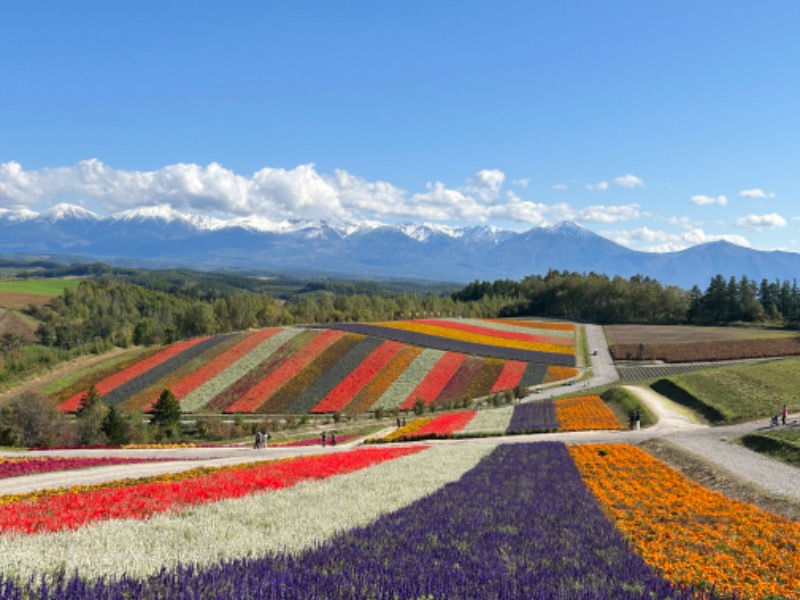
x=780, y=447
x=676, y=393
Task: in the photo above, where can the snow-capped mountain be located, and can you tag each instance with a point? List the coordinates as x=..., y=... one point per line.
x=164, y=236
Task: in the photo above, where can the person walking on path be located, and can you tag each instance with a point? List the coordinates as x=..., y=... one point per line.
x=784, y=414
x=259, y=441
x=323, y=437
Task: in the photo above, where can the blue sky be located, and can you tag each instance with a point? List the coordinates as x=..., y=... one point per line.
x=659, y=124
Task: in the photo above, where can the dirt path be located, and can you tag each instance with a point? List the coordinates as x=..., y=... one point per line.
x=37, y=383
x=672, y=417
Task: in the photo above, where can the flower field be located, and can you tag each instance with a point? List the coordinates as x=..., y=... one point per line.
x=512, y=521
x=584, y=413
x=489, y=337
x=299, y=370
x=691, y=534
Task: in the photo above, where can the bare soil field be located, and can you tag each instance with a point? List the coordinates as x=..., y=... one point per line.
x=21, y=300
x=663, y=334
x=681, y=344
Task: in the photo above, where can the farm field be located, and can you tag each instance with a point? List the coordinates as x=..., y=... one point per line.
x=532, y=520
x=298, y=370
x=739, y=393
x=679, y=344
x=35, y=287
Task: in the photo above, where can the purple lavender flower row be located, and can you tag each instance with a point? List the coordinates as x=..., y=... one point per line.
x=440, y=343
x=520, y=525
x=533, y=417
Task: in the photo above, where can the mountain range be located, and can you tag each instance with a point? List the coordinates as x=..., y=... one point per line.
x=161, y=236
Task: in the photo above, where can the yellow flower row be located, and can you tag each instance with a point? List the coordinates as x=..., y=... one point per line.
x=475, y=338
x=408, y=429
x=585, y=413
x=693, y=535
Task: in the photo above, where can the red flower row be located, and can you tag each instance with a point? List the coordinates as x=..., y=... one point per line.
x=434, y=382
x=39, y=512
x=510, y=376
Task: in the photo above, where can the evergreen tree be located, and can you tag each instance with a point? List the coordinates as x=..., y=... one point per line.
x=116, y=427
x=166, y=415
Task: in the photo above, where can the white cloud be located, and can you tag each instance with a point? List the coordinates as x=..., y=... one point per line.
x=608, y=214
x=519, y=211
x=684, y=222
x=629, y=181
x=653, y=240
x=486, y=184
x=759, y=222
x=756, y=193
x=600, y=185
x=523, y=182
x=702, y=200
x=560, y=186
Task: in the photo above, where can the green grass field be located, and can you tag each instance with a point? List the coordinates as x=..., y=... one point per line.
x=745, y=392
x=40, y=287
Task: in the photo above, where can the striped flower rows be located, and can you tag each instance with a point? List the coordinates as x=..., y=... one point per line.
x=585, y=413
x=467, y=521
x=77, y=507
x=293, y=370
x=291, y=519
x=477, y=340
x=119, y=378
x=470, y=522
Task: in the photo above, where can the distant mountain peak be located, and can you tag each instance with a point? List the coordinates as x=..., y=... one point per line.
x=167, y=214
x=569, y=228
x=63, y=211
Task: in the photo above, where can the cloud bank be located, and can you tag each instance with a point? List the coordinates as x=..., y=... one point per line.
x=279, y=194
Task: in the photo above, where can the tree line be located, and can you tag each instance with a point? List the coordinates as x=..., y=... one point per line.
x=598, y=298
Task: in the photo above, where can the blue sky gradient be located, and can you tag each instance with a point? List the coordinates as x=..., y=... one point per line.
x=658, y=124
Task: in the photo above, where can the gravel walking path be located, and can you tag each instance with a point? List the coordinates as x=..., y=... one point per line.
x=716, y=444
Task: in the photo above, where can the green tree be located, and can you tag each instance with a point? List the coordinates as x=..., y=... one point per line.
x=166, y=415
x=116, y=427
x=32, y=420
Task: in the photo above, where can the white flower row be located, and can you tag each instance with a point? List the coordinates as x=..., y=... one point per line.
x=492, y=420
x=289, y=520
x=409, y=379
x=203, y=394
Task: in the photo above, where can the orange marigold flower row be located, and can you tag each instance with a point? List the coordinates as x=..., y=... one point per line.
x=693, y=535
